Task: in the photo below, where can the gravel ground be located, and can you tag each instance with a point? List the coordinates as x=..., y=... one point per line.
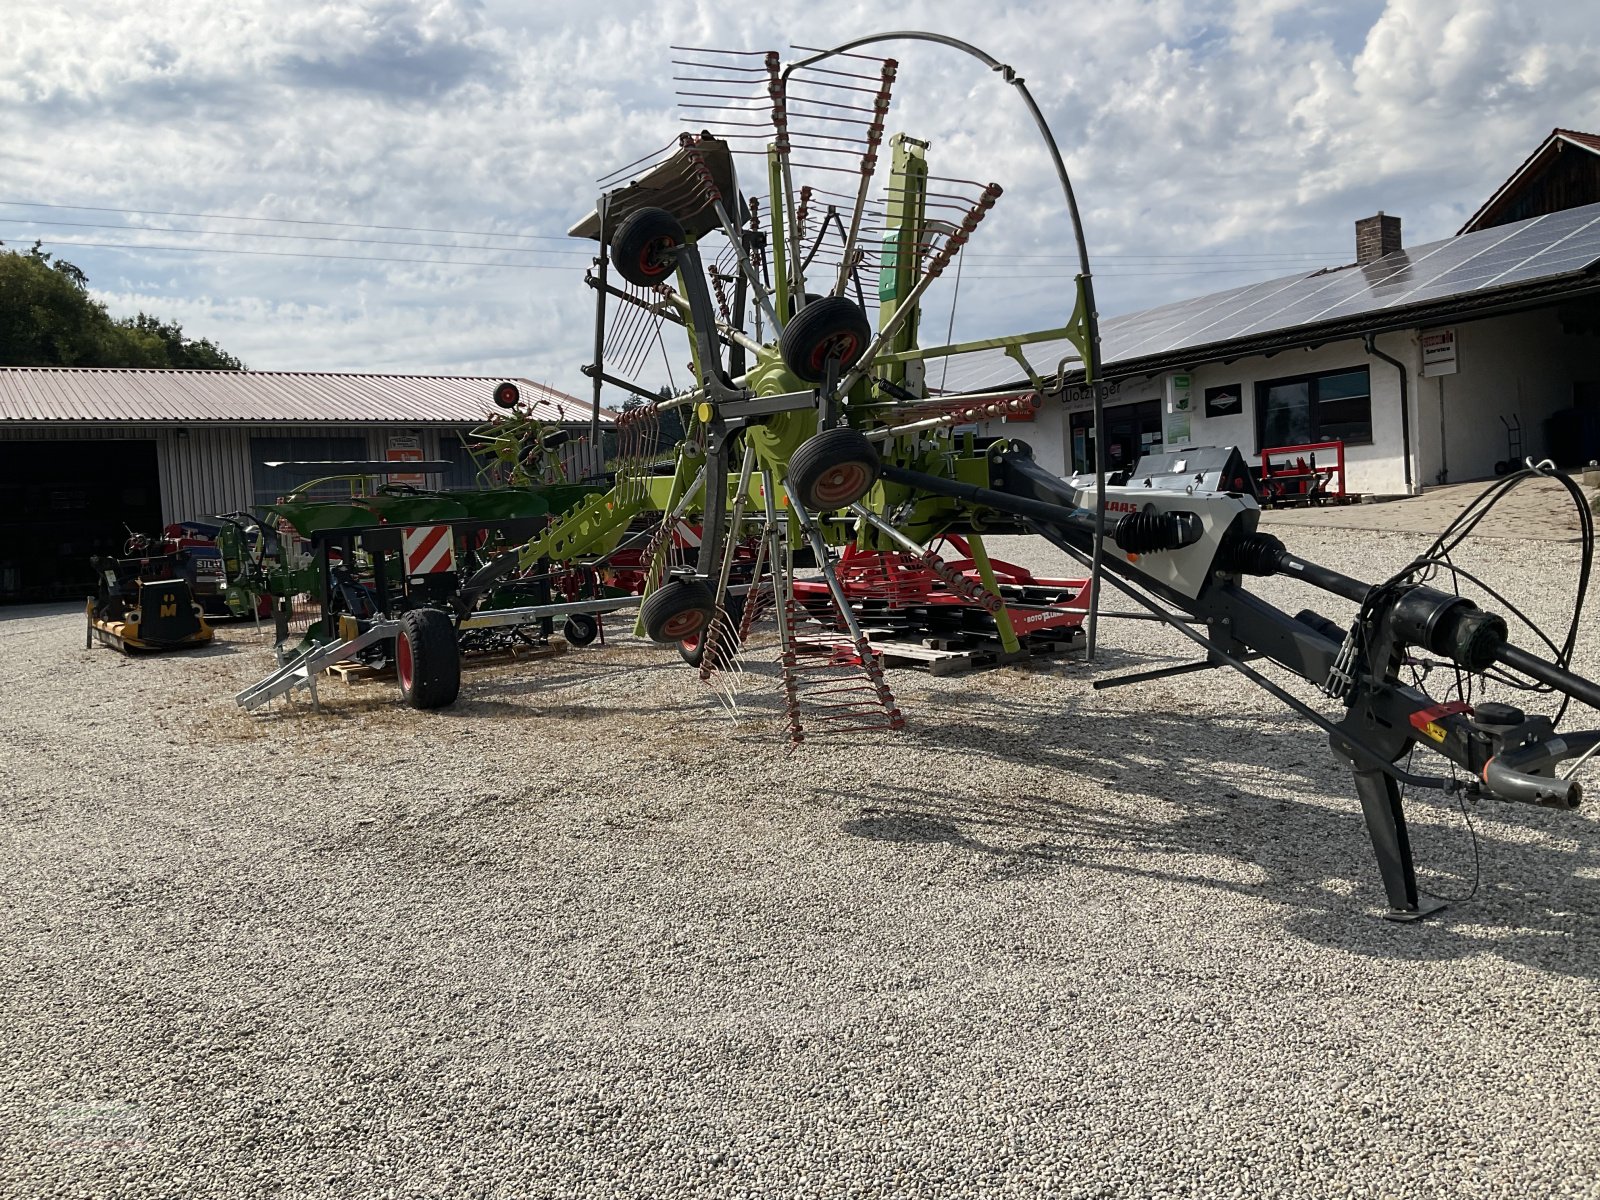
x=581, y=935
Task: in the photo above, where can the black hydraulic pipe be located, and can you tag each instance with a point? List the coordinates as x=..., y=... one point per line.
x=1322, y=577
x=1022, y=506
x=1549, y=673
x=1162, y=672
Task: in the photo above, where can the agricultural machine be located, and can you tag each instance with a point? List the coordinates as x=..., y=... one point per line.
x=814, y=433
x=143, y=602
x=414, y=579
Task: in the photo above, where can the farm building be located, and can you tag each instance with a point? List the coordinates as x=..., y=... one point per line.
x=88, y=454
x=1429, y=364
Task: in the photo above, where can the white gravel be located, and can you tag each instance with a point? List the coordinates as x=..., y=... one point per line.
x=581, y=936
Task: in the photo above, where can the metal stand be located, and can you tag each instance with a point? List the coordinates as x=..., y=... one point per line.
x=1386, y=826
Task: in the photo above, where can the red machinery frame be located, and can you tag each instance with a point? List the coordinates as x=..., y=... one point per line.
x=1299, y=478
x=896, y=582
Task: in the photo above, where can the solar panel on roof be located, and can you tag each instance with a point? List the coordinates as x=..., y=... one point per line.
x=1508, y=255
x=1574, y=251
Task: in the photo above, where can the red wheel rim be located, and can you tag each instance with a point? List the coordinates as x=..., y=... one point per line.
x=402, y=661
x=650, y=257
x=692, y=642
x=680, y=626
x=844, y=345
x=841, y=484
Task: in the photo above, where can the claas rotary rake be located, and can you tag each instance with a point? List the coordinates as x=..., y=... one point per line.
x=812, y=435
x=798, y=395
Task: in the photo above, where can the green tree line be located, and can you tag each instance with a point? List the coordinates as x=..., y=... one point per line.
x=48, y=319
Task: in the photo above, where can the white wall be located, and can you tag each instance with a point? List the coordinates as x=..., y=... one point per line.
x=1375, y=469
x=1522, y=363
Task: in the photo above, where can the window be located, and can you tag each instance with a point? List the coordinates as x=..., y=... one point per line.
x=1335, y=406
x=274, y=482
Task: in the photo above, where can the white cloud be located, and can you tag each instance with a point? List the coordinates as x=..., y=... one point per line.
x=1191, y=128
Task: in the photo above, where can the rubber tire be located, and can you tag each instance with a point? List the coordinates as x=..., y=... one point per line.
x=834, y=469
x=429, y=638
x=580, y=629
x=831, y=325
x=665, y=610
x=693, y=651
x=641, y=245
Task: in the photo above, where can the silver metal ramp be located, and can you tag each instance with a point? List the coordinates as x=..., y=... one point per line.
x=302, y=670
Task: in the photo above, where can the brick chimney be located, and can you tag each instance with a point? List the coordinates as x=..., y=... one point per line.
x=1375, y=237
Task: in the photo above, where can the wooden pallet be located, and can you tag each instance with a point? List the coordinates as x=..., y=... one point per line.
x=354, y=674
x=948, y=656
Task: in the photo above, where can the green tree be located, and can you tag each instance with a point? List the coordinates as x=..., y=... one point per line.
x=48, y=319
x=179, y=352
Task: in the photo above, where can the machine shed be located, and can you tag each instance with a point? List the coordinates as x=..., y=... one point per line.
x=88, y=455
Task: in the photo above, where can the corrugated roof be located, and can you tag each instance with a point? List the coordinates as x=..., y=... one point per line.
x=194, y=397
x=1534, y=259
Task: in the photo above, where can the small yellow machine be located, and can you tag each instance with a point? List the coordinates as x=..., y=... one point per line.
x=130, y=613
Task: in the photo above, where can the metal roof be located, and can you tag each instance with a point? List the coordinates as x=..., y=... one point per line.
x=1512, y=265
x=195, y=397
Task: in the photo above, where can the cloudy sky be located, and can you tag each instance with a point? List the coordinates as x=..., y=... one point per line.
x=384, y=185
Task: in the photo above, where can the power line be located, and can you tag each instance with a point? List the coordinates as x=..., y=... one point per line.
x=373, y=258
x=1202, y=256
x=1199, y=256
x=133, y=247
x=306, y=237
x=1176, y=263
x=145, y=212
x=1114, y=274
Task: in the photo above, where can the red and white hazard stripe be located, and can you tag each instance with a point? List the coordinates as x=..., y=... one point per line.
x=429, y=549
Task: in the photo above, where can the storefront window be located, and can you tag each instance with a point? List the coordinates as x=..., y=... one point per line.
x=1327, y=407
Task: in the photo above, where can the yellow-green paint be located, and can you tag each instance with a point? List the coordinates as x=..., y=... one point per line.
x=1002, y=619
x=908, y=182
x=777, y=217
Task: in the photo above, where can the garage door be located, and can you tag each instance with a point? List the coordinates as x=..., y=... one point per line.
x=62, y=501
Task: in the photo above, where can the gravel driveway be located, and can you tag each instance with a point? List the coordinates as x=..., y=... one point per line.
x=583, y=936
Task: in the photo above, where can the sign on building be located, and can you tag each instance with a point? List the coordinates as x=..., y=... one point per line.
x=404, y=448
x=1438, y=352
x=1180, y=406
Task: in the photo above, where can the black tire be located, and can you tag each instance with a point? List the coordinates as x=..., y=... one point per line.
x=678, y=609
x=427, y=659
x=693, y=649
x=834, y=469
x=643, y=245
x=580, y=629
x=833, y=325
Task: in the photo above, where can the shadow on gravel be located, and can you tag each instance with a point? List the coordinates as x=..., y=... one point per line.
x=56, y=608
x=212, y=650
x=1536, y=904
